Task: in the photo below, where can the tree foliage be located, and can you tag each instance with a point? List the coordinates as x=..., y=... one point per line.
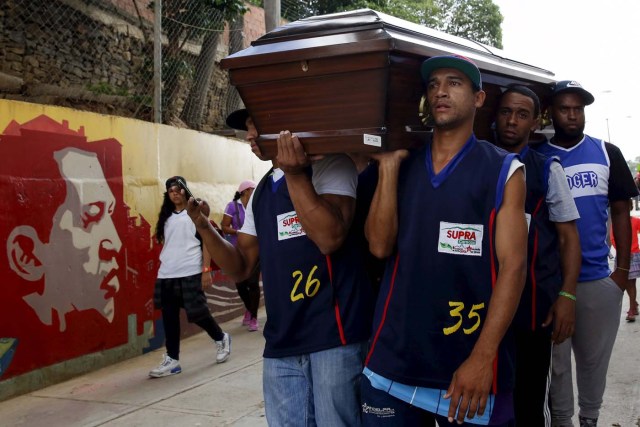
x=477, y=20
x=201, y=22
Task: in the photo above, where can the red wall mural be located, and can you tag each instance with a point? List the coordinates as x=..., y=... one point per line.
x=76, y=266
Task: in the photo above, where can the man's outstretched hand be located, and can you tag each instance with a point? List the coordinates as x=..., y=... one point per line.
x=198, y=210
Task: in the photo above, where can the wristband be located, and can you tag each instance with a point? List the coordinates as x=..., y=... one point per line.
x=206, y=269
x=567, y=295
x=623, y=269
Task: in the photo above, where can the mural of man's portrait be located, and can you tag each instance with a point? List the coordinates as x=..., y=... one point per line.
x=83, y=244
x=71, y=250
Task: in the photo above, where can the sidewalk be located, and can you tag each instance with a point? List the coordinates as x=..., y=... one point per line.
x=204, y=394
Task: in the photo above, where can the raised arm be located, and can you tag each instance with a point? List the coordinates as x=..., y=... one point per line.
x=325, y=218
x=381, y=227
x=472, y=381
x=238, y=262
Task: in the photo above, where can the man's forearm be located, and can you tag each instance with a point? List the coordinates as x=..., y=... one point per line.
x=570, y=255
x=502, y=307
x=222, y=252
x=381, y=227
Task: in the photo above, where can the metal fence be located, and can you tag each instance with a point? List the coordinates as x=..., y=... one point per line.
x=98, y=55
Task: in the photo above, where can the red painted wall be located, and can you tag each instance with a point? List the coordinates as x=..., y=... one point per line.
x=77, y=264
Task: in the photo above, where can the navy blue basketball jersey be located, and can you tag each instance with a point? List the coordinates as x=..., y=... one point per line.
x=314, y=302
x=435, y=292
x=544, y=279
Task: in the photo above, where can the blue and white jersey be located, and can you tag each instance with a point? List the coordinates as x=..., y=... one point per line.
x=587, y=167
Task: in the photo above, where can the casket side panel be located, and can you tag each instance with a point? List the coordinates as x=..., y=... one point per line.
x=330, y=102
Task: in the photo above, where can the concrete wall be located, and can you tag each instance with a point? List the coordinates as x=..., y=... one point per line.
x=81, y=193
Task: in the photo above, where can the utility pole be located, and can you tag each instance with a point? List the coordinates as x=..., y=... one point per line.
x=271, y=14
x=157, y=61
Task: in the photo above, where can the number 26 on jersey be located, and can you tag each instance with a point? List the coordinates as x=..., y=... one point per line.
x=310, y=287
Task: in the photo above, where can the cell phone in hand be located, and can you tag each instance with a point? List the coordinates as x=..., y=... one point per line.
x=187, y=192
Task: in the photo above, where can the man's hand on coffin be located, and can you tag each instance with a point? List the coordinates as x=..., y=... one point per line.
x=291, y=156
x=390, y=160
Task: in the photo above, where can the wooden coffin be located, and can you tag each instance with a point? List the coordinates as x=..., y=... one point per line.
x=350, y=82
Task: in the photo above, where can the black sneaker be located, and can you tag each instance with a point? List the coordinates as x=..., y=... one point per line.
x=588, y=422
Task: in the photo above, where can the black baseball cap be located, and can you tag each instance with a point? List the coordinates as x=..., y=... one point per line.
x=174, y=181
x=238, y=119
x=572, y=86
x=458, y=62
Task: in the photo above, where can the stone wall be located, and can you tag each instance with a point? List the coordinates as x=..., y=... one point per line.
x=67, y=47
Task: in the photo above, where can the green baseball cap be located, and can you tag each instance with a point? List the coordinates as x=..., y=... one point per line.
x=457, y=62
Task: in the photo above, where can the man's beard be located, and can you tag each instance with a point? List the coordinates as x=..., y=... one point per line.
x=564, y=135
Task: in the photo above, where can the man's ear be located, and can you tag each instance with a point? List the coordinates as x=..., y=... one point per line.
x=536, y=125
x=24, y=251
x=480, y=97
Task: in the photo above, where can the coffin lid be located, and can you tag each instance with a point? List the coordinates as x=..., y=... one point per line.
x=366, y=30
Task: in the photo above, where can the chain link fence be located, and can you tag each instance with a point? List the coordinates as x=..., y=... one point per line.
x=98, y=55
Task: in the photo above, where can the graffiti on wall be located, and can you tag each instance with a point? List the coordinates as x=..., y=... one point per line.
x=78, y=269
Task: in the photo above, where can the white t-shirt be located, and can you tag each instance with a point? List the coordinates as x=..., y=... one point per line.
x=181, y=254
x=334, y=174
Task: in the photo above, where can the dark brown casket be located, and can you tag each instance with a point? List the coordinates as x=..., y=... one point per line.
x=350, y=82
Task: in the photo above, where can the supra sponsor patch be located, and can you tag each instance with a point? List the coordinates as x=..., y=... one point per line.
x=460, y=239
x=289, y=226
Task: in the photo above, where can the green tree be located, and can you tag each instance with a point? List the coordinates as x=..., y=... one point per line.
x=201, y=22
x=477, y=20
x=194, y=105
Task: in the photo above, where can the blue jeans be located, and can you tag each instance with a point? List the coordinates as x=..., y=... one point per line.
x=315, y=389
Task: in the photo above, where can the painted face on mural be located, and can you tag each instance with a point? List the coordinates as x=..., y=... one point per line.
x=79, y=262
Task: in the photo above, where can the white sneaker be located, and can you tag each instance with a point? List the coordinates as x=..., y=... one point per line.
x=168, y=367
x=224, y=348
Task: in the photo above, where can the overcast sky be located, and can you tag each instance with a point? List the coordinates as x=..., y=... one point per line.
x=595, y=43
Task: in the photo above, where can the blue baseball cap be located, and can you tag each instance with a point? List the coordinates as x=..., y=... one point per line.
x=572, y=86
x=457, y=62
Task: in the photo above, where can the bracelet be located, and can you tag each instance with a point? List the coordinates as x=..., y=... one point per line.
x=623, y=269
x=206, y=269
x=567, y=295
